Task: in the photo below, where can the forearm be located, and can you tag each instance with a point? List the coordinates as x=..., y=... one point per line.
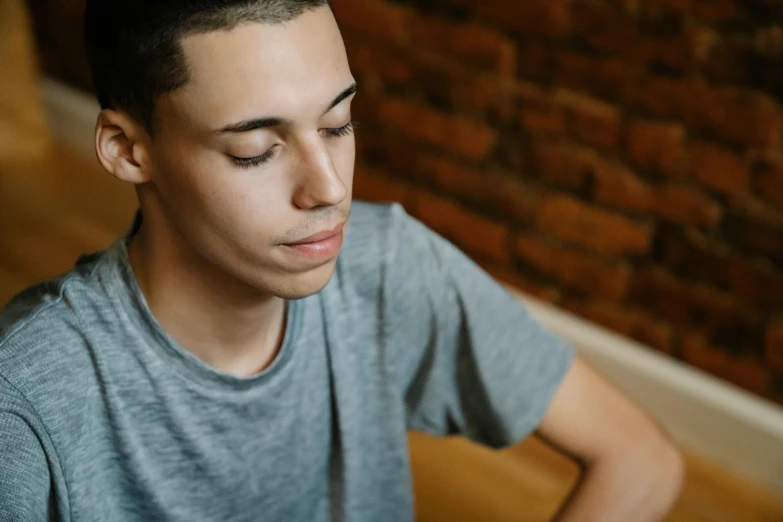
x=622, y=489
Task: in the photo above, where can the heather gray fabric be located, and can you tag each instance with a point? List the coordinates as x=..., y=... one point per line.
x=104, y=417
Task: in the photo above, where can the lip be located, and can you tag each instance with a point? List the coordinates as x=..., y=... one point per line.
x=326, y=247
x=320, y=236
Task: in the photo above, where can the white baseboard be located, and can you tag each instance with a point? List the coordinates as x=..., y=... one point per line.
x=712, y=418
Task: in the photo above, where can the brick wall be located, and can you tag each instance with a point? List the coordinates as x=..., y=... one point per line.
x=620, y=158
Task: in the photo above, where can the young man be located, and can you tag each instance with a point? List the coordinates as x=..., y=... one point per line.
x=222, y=362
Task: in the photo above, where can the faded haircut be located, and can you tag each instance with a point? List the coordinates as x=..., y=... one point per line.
x=134, y=47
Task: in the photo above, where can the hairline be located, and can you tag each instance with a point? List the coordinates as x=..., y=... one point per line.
x=223, y=20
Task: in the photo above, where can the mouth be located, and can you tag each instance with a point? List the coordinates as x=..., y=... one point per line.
x=320, y=236
x=318, y=247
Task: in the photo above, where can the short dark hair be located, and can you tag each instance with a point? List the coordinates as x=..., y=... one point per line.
x=134, y=47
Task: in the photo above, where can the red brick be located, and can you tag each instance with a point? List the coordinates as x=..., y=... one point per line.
x=732, y=61
x=769, y=180
x=483, y=97
x=373, y=18
x=682, y=51
x=662, y=95
x=774, y=344
x=494, y=191
x=470, y=139
x=696, y=103
x=756, y=229
x=605, y=29
x=591, y=121
x=471, y=44
x=719, y=169
x=730, y=322
x=750, y=119
x=563, y=164
x=699, y=258
x=364, y=58
x=609, y=78
x=539, y=113
x=756, y=282
x=657, y=147
x=369, y=184
x=677, y=6
x=521, y=282
x=365, y=108
x=468, y=230
x=740, y=116
x=702, y=43
x=541, y=17
x=716, y=11
x=594, y=228
x=686, y=205
x=626, y=320
x=616, y=185
x=631, y=7
x=743, y=371
x=513, y=152
x=540, y=121
x=575, y=268
x=437, y=82
x=706, y=10
x=534, y=60
x=674, y=52
x=392, y=153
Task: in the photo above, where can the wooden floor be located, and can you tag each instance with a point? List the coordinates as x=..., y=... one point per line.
x=64, y=205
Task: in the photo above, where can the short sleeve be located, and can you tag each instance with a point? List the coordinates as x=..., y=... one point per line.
x=25, y=483
x=470, y=358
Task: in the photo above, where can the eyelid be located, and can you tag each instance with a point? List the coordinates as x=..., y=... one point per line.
x=266, y=157
x=345, y=130
x=256, y=160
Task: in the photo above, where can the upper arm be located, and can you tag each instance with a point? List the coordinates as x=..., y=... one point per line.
x=589, y=419
x=475, y=361
x=25, y=482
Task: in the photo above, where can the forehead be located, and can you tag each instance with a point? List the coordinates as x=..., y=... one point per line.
x=290, y=69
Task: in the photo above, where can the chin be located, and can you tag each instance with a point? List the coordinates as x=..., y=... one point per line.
x=301, y=285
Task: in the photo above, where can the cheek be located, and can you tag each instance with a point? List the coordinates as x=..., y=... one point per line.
x=212, y=198
x=193, y=184
x=244, y=204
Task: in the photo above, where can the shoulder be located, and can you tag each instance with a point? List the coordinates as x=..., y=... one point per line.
x=368, y=237
x=370, y=224
x=390, y=260
x=382, y=231
x=380, y=238
x=42, y=339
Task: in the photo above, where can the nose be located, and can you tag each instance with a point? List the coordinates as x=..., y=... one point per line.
x=319, y=183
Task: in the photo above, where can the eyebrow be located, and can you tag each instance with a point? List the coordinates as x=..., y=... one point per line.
x=274, y=121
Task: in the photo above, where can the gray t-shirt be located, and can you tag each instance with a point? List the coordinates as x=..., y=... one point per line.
x=104, y=417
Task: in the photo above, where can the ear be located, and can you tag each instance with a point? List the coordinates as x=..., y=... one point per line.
x=122, y=146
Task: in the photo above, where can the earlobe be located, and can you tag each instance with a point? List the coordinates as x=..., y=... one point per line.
x=118, y=147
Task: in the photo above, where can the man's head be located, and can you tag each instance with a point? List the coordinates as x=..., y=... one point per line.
x=232, y=118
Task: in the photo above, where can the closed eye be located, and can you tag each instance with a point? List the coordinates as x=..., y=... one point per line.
x=345, y=130
x=255, y=161
x=266, y=157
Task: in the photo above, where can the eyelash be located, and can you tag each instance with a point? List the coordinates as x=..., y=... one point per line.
x=257, y=161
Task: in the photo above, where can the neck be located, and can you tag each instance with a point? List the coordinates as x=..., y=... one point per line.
x=221, y=320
